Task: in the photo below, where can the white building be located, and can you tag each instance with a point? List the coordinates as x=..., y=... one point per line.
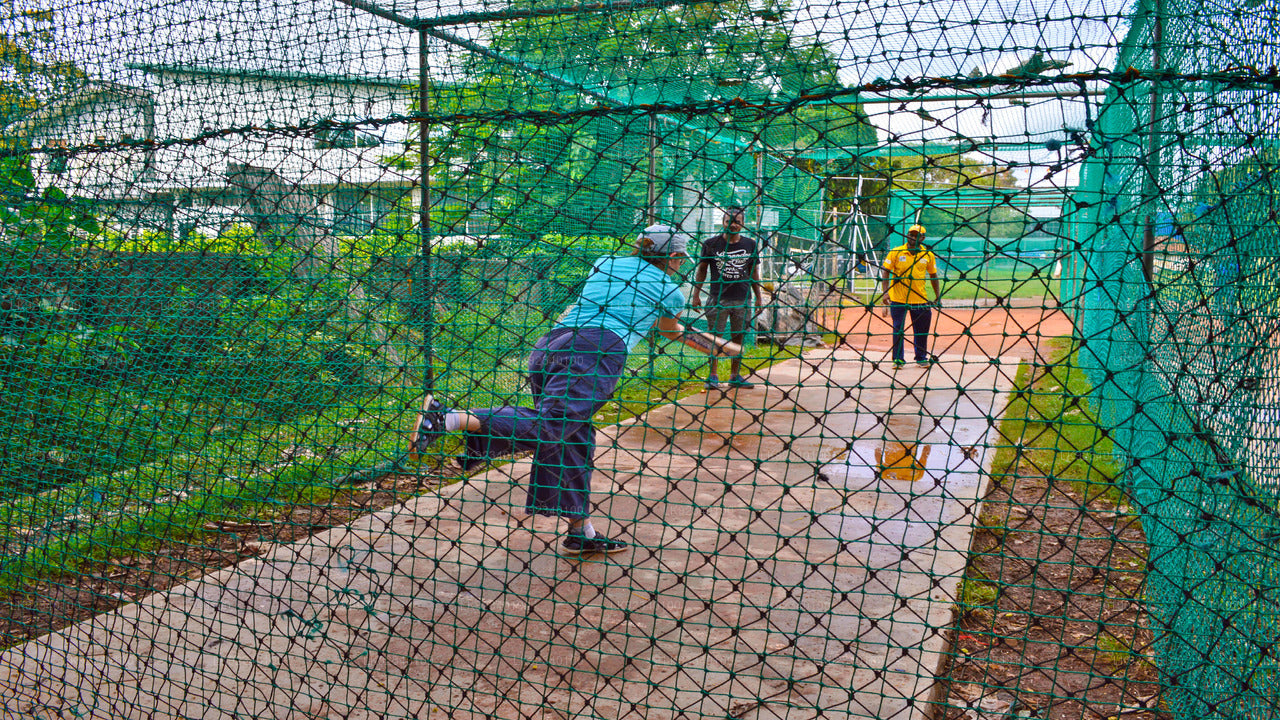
x=162, y=155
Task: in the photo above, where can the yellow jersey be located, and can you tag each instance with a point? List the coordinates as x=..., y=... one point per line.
x=908, y=273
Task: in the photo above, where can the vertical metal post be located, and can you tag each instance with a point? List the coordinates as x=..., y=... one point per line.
x=170, y=203
x=1150, y=186
x=888, y=205
x=427, y=293
x=759, y=199
x=651, y=212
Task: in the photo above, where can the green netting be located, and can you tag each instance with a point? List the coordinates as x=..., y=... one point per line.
x=243, y=242
x=991, y=241
x=1182, y=235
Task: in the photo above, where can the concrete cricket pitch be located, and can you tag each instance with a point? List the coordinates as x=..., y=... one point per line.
x=797, y=549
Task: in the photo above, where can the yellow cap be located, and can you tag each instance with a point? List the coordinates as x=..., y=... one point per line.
x=917, y=229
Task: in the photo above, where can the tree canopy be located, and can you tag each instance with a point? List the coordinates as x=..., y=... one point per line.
x=29, y=67
x=917, y=172
x=592, y=168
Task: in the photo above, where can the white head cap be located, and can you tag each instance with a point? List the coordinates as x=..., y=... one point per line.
x=666, y=240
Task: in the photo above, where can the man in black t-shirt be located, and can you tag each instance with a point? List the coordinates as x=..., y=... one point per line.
x=730, y=265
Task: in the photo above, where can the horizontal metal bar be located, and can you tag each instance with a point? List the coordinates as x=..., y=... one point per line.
x=527, y=13
x=317, y=79
x=972, y=97
x=382, y=13
x=904, y=149
x=474, y=18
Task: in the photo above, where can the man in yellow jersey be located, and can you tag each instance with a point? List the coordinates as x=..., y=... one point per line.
x=903, y=274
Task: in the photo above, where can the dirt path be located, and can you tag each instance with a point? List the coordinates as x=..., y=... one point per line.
x=959, y=330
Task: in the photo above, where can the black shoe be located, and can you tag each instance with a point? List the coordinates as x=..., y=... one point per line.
x=467, y=463
x=713, y=383
x=740, y=382
x=579, y=545
x=430, y=427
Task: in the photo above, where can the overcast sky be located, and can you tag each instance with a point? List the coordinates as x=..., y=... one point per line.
x=873, y=39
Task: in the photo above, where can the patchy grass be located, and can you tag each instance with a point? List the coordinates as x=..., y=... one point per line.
x=266, y=471
x=976, y=593
x=1067, y=557
x=1049, y=429
x=1112, y=651
x=977, y=285
x=992, y=521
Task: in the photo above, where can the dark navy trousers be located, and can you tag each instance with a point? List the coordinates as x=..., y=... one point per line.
x=921, y=318
x=573, y=373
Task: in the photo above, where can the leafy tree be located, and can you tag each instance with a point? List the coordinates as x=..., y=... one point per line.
x=532, y=174
x=821, y=126
x=30, y=74
x=29, y=66
x=704, y=52
x=914, y=172
x=31, y=219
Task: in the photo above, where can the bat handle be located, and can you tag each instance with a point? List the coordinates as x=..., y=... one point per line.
x=729, y=349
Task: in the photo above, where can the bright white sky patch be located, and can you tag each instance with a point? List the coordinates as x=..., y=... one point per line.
x=873, y=40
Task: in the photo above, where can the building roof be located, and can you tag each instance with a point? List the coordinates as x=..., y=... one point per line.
x=283, y=77
x=203, y=169
x=72, y=103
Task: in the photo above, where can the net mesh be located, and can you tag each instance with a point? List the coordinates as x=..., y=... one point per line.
x=1185, y=230
x=242, y=242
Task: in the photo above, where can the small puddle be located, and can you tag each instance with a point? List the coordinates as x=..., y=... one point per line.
x=902, y=461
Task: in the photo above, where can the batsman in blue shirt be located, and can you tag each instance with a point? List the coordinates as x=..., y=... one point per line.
x=573, y=371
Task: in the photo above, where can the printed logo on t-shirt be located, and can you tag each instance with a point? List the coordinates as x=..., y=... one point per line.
x=734, y=264
x=904, y=263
